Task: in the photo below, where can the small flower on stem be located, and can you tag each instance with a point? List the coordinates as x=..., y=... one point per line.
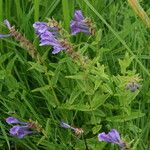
x=78, y=131
x=20, y=131
x=6, y=22
x=23, y=128
x=81, y=24
x=13, y=120
x=49, y=36
x=112, y=137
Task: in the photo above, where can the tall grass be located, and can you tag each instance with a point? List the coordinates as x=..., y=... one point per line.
x=91, y=96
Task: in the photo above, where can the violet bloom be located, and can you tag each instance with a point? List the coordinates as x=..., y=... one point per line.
x=78, y=24
x=20, y=131
x=41, y=27
x=78, y=131
x=4, y=35
x=112, y=136
x=48, y=36
x=7, y=23
x=13, y=120
x=67, y=126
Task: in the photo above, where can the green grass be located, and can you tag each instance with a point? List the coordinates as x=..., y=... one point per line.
x=90, y=96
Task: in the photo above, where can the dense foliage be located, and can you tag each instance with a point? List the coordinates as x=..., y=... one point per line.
x=98, y=83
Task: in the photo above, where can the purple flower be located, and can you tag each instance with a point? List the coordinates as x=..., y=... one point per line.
x=13, y=120
x=113, y=137
x=48, y=36
x=67, y=126
x=78, y=131
x=78, y=24
x=20, y=131
x=41, y=27
x=132, y=86
x=7, y=23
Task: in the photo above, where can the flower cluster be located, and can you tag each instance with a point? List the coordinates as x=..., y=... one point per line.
x=21, y=129
x=49, y=32
x=48, y=36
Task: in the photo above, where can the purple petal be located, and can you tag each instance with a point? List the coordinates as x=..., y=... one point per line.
x=78, y=16
x=67, y=126
x=40, y=27
x=57, y=49
x=20, y=131
x=77, y=27
x=4, y=35
x=47, y=35
x=36, y=25
x=51, y=42
x=113, y=137
x=64, y=125
x=104, y=137
x=13, y=120
x=7, y=23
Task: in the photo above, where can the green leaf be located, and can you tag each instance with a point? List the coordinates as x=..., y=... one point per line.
x=79, y=107
x=74, y=95
x=4, y=134
x=98, y=37
x=2, y=74
x=96, y=129
x=11, y=82
x=46, y=87
x=125, y=63
x=37, y=67
x=98, y=100
x=125, y=117
x=11, y=64
x=5, y=57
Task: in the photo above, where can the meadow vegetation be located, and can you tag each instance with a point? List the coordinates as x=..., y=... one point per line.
x=99, y=81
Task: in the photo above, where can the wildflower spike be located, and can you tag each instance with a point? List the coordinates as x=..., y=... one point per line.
x=25, y=43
